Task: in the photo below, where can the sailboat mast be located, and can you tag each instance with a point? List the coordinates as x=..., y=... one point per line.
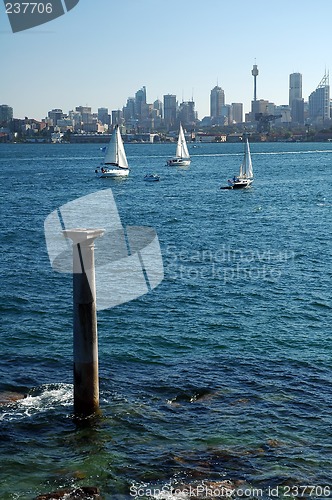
x=117, y=145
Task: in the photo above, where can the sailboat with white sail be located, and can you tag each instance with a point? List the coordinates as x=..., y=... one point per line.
x=246, y=174
x=182, y=157
x=115, y=162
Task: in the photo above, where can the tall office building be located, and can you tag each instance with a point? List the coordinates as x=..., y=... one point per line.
x=157, y=114
x=237, y=108
x=227, y=114
x=103, y=116
x=297, y=111
x=140, y=100
x=55, y=115
x=6, y=114
x=260, y=106
x=217, y=101
x=319, y=101
x=295, y=87
x=129, y=109
x=187, y=114
x=117, y=117
x=158, y=105
x=170, y=110
x=89, y=120
x=296, y=102
x=86, y=113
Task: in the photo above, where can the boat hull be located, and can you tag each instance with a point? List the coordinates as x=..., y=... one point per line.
x=152, y=178
x=240, y=183
x=111, y=173
x=178, y=162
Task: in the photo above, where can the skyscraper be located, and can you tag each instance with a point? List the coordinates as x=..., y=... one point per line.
x=6, y=114
x=140, y=100
x=295, y=87
x=296, y=102
x=158, y=105
x=117, y=117
x=319, y=101
x=237, y=108
x=129, y=109
x=217, y=101
x=187, y=114
x=170, y=109
x=103, y=116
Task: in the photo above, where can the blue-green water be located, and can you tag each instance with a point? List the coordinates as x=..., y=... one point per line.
x=223, y=372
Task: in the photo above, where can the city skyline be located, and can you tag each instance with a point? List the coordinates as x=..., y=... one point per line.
x=171, y=111
x=85, y=58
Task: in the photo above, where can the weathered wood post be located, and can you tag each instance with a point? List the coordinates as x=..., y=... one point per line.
x=86, y=383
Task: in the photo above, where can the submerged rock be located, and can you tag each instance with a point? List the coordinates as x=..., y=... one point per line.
x=83, y=493
x=7, y=397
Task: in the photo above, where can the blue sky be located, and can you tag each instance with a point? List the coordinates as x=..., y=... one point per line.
x=103, y=51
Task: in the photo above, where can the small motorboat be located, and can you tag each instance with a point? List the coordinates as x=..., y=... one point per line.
x=151, y=178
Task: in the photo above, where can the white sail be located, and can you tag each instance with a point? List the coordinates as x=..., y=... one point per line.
x=115, y=154
x=246, y=165
x=181, y=148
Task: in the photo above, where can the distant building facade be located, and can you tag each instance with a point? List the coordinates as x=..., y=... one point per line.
x=237, y=110
x=170, y=110
x=140, y=101
x=103, y=116
x=6, y=114
x=319, y=102
x=226, y=115
x=55, y=115
x=217, y=101
x=296, y=102
x=260, y=106
x=187, y=114
x=117, y=117
x=284, y=113
x=295, y=87
x=158, y=106
x=89, y=120
x=297, y=111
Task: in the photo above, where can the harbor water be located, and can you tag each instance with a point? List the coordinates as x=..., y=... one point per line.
x=220, y=377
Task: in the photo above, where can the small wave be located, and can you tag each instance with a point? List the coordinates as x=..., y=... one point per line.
x=173, y=220
x=320, y=305
x=40, y=399
x=261, y=153
x=217, y=155
x=324, y=204
x=55, y=158
x=277, y=153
